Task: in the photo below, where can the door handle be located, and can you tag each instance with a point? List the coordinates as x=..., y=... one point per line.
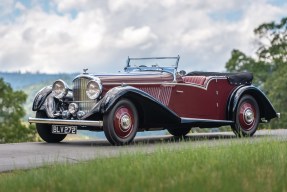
x=179, y=91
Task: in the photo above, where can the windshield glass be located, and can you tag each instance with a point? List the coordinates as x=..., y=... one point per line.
x=153, y=62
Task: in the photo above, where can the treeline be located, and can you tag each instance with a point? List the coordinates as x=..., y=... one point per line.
x=269, y=67
x=12, y=129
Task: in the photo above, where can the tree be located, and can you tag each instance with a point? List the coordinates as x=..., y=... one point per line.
x=276, y=89
x=239, y=62
x=270, y=66
x=11, y=111
x=273, y=43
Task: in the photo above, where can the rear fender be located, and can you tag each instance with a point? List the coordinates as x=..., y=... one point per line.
x=267, y=110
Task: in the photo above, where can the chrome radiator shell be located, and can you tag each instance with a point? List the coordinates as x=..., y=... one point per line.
x=79, y=94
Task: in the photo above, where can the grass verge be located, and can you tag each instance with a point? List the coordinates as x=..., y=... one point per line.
x=246, y=166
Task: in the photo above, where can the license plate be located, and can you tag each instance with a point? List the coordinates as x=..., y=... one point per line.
x=62, y=129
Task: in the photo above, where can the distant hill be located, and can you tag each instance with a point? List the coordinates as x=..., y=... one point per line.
x=31, y=83
x=19, y=81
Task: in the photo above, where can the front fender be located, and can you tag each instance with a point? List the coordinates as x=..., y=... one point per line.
x=154, y=112
x=41, y=97
x=267, y=110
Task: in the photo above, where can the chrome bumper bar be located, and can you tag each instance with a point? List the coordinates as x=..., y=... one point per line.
x=65, y=122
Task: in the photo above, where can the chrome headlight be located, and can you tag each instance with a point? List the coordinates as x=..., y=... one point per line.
x=60, y=89
x=94, y=89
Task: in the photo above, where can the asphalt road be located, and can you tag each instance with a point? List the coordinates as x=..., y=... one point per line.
x=30, y=155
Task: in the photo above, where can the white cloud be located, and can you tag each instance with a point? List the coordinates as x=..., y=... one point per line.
x=20, y=6
x=128, y=5
x=50, y=42
x=131, y=37
x=66, y=5
x=103, y=33
x=6, y=7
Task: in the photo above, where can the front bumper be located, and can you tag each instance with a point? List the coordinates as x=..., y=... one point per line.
x=65, y=122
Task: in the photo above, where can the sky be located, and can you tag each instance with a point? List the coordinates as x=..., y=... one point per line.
x=66, y=36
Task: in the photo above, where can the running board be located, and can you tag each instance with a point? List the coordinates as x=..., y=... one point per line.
x=205, y=123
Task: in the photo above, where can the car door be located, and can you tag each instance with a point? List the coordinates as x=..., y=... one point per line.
x=195, y=100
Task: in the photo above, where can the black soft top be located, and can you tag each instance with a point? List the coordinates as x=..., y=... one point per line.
x=244, y=78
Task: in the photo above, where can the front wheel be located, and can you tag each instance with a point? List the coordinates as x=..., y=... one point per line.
x=45, y=130
x=246, y=117
x=121, y=123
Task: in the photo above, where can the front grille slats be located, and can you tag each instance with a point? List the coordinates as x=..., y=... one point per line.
x=80, y=96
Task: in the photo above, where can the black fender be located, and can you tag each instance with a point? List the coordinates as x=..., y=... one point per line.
x=41, y=97
x=267, y=110
x=151, y=111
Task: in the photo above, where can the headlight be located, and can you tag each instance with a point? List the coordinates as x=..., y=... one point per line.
x=94, y=89
x=60, y=89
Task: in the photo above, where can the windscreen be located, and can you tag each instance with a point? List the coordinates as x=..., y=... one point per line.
x=153, y=62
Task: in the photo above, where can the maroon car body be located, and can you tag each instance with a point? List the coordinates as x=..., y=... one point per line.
x=150, y=97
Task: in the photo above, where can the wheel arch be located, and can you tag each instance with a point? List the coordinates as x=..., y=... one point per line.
x=266, y=109
x=150, y=111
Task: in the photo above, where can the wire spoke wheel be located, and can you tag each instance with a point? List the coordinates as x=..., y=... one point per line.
x=246, y=117
x=121, y=123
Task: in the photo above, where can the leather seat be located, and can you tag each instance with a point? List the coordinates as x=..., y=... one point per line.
x=199, y=80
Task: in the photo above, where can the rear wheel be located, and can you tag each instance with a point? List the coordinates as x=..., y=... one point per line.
x=179, y=132
x=45, y=130
x=247, y=117
x=121, y=123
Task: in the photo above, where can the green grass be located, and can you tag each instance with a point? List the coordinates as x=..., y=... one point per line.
x=244, y=166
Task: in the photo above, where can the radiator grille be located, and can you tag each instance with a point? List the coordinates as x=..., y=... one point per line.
x=80, y=96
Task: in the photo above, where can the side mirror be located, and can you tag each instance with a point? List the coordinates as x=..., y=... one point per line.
x=182, y=72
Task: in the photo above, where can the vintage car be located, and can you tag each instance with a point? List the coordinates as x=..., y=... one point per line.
x=150, y=95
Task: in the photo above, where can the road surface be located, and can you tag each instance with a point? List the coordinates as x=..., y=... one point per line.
x=30, y=155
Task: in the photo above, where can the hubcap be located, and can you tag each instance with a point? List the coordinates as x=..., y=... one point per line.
x=248, y=116
x=125, y=122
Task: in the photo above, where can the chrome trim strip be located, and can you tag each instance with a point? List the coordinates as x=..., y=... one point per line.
x=133, y=83
x=205, y=86
x=90, y=77
x=65, y=122
x=195, y=120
